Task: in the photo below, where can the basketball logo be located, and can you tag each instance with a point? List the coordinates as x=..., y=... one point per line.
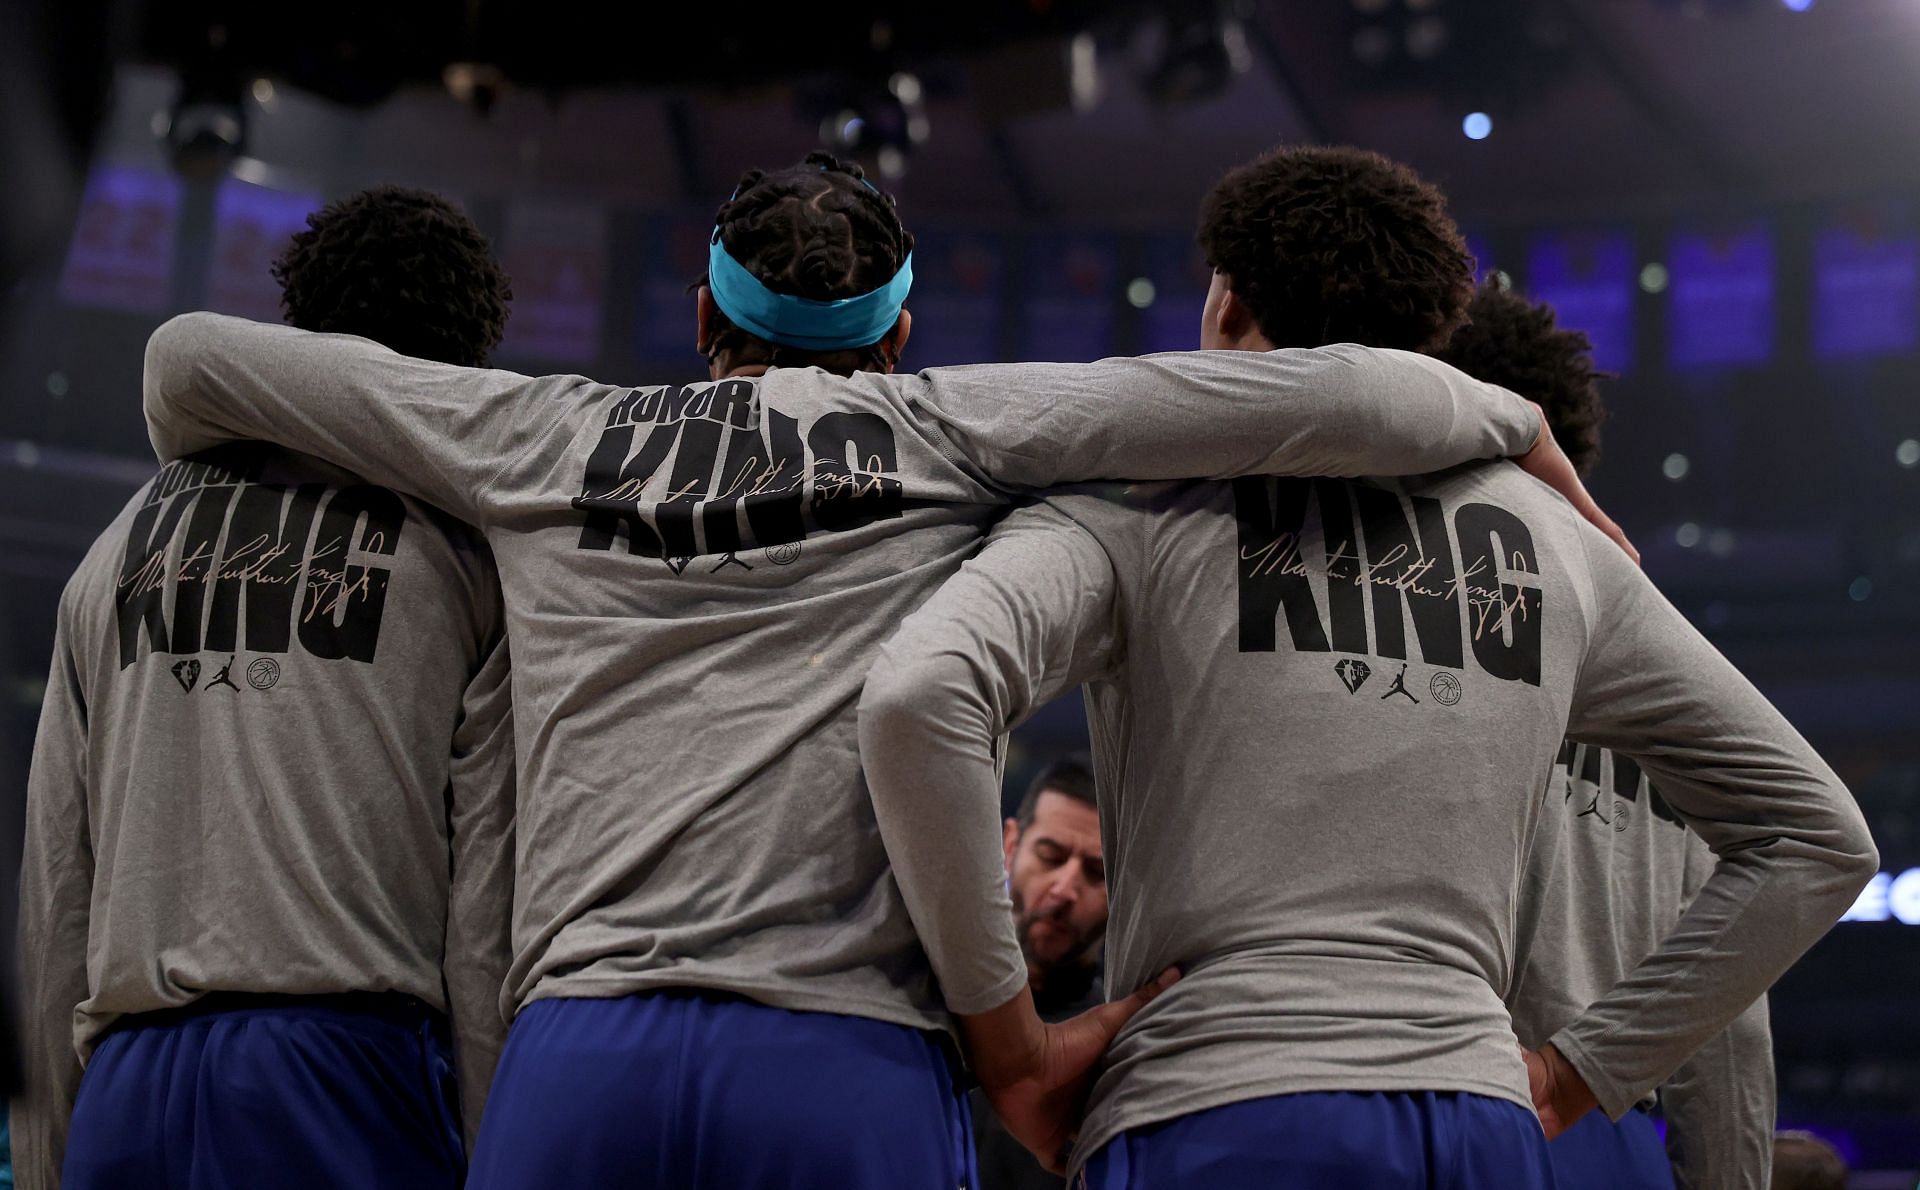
x=1445, y=688
x=263, y=673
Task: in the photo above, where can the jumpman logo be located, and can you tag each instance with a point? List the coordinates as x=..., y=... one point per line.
x=1593, y=810
x=1400, y=686
x=730, y=559
x=224, y=678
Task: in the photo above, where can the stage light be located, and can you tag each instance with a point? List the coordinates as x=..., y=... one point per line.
x=905, y=88
x=1201, y=53
x=1477, y=125
x=478, y=85
x=846, y=128
x=206, y=136
x=1140, y=293
x=878, y=123
x=1653, y=277
x=26, y=454
x=263, y=92
x=1687, y=536
x=1907, y=454
x=1797, y=5
x=1503, y=279
x=1720, y=543
x=57, y=384
x=1859, y=589
x=1083, y=72
x=1675, y=467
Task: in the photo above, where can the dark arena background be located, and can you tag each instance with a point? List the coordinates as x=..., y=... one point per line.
x=1724, y=194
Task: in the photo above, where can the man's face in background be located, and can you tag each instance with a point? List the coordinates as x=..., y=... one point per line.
x=1058, y=881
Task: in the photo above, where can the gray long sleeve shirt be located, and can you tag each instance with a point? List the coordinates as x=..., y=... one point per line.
x=699, y=577
x=1612, y=870
x=275, y=756
x=1322, y=714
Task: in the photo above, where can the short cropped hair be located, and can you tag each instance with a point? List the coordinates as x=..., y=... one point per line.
x=1071, y=776
x=1338, y=245
x=1516, y=344
x=1802, y=1161
x=405, y=268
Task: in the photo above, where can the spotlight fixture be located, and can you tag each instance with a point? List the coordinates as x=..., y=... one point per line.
x=206, y=131
x=878, y=125
x=1201, y=51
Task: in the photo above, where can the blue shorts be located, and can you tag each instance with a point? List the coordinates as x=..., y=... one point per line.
x=1598, y=1154
x=292, y=1092
x=1340, y=1140
x=698, y=1091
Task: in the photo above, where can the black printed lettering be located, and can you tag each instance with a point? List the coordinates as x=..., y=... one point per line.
x=261, y=560
x=341, y=615
x=856, y=491
x=1410, y=575
x=1505, y=617
x=139, y=597
x=610, y=493
x=1346, y=602
x=198, y=567
x=1269, y=514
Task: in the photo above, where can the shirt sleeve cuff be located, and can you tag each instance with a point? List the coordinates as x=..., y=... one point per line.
x=1615, y=1098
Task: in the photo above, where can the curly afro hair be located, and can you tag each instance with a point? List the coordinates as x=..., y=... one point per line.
x=1338, y=245
x=1516, y=344
x=817, y=230
x=405, y=268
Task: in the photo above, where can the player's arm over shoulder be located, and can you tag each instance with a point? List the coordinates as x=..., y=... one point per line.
x=1339, y=410
x=443, y=433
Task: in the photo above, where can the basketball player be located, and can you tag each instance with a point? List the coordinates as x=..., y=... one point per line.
x=716, y=982
x=1331, y=866
x=1613, y=866
x=269, y=819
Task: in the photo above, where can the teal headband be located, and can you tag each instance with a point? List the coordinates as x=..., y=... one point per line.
x=803, y=322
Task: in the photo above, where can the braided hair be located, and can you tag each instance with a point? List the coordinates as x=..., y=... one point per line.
x=816, y=230
x=405, y=268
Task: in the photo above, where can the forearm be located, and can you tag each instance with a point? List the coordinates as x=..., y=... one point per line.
x=435, y=431
x=926, y=741
x=56, y=892
x=1341, y=410
x=479, y=943
x=54, y=980
x=1005, y=1042
x=479, y=1031
x=1791, y=848
x=1755, y=917
x=1720, y=1109
x=478, y=953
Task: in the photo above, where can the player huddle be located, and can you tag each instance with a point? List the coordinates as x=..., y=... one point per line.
x=1428, y=824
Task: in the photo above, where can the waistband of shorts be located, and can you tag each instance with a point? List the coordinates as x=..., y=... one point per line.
x=394, y=1008
x=940, y=1039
